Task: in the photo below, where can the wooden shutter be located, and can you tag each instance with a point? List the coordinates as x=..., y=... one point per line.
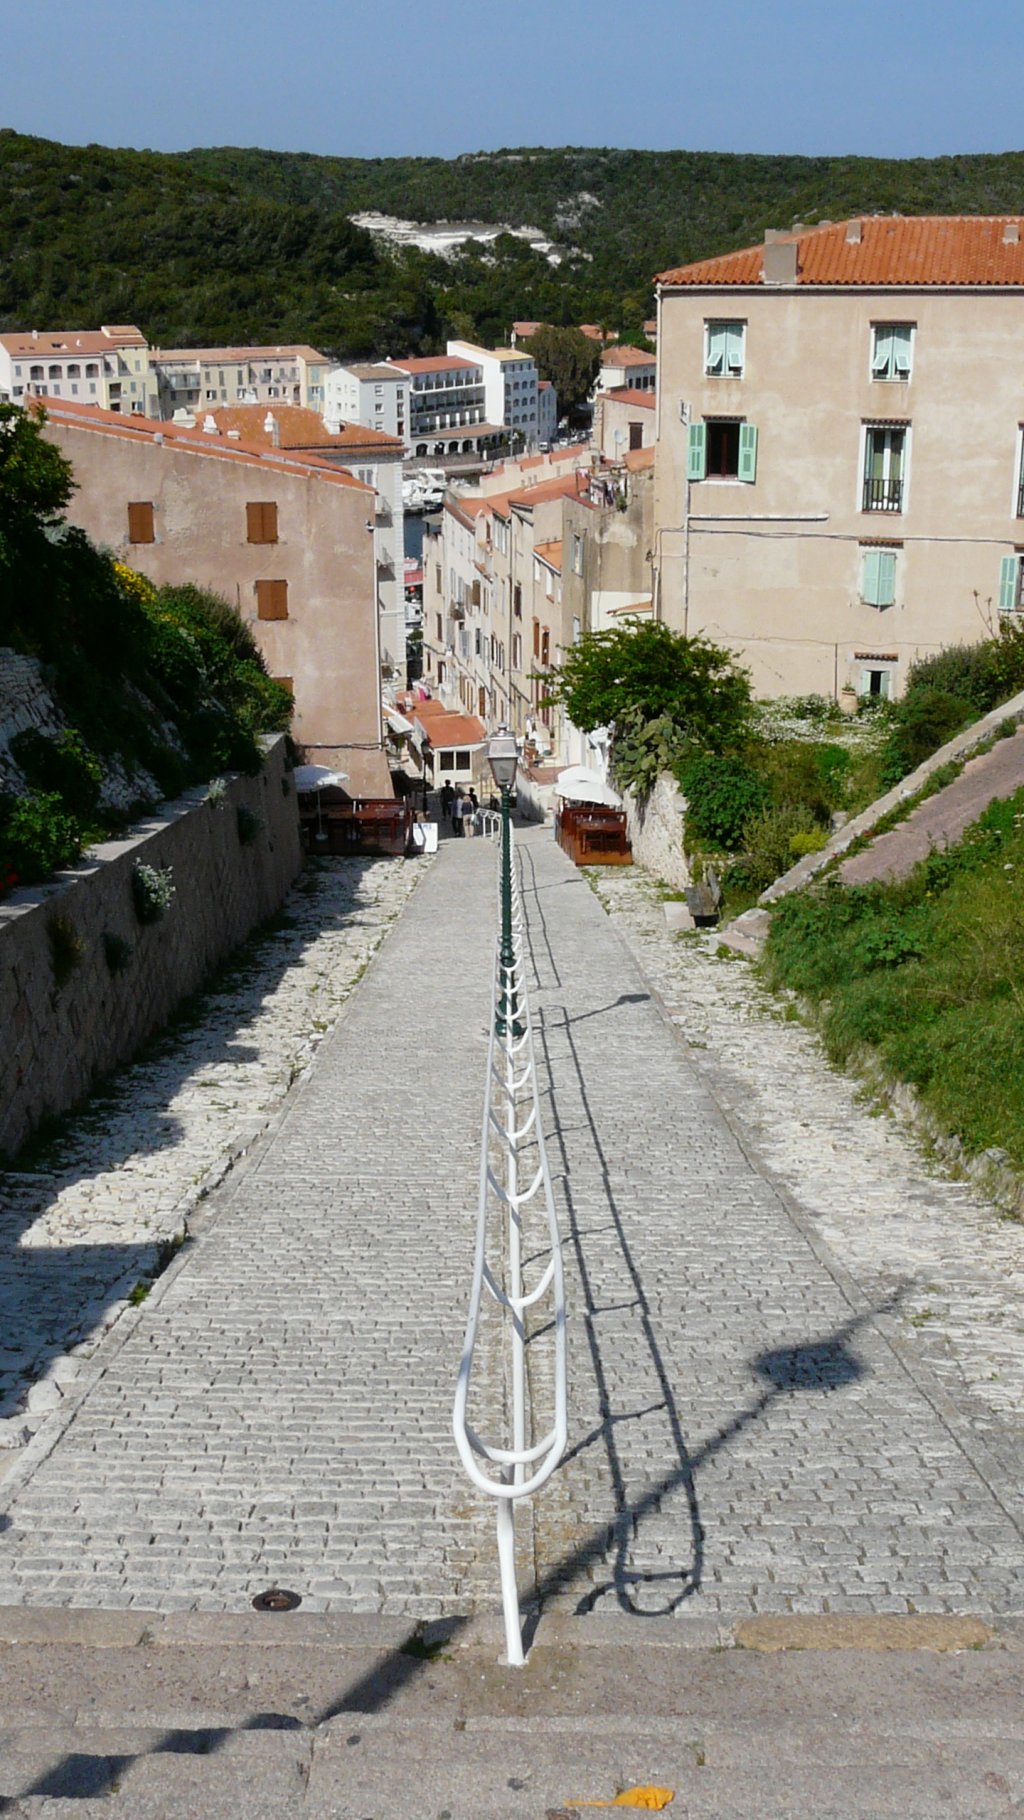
x=869, y=579
x=886, y=578
x=261, y=520
x=697, y=452
x=286, y=682
x=272, y=599
x=140, y=521
x=748, y=452
x=636, y=435
x=1009, y=569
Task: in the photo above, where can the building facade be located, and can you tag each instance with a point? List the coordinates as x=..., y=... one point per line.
x=197, y=379
x=510, y=382
x=109, y=367
x=840, y=448
x=281, y=537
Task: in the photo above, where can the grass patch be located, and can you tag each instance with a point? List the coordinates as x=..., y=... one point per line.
x=929, y=973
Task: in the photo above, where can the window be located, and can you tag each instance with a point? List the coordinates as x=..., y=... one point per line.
x=272, y=600
x=517, y=600
x=286, y=682
x=517, y=651
x=536, y=638
x=890, y=350
x=723, y=357
x=140, y=521
x=885, y=464
x=577, y=553
x=1011, y=583
x=545, y=646
x=35, y=372
x=636, y=435
x=74, y=370
x=92, y=370
x=875, y=683
x=261, y=521
x=722, y=448
x=878, y=577
x=1020, y=473
x=54, y=372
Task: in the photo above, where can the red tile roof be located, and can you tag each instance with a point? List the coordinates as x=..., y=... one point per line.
x=882, y=250
x=551, y=553
x=628, y=394
x=435, y=363
x=637, y=459
x=447, y=727
x=627, y=357
x=193, y=442
x=298, y=428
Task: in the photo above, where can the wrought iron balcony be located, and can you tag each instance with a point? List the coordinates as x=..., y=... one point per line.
x=883, y=495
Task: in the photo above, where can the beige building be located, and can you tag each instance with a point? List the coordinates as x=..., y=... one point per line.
x=373, y=457
x=197, y=379
x=839, y=477
x=624, y=420
x=283, y=537
x=109, y=367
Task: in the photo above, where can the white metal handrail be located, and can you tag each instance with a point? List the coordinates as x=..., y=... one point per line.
x=490, y=823
x=512, y=1154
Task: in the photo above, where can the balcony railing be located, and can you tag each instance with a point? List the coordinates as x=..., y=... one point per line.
x=883, y=495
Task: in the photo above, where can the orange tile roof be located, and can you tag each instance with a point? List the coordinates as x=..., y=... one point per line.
x=449, y=727
x=627, y=357
x=22, y=343
x=551, y=553
x=298, y=428
x=629, y=394
x=193, y=442
x=435, y=363
x=637, y=459
x=889, y=250
x=204, y=356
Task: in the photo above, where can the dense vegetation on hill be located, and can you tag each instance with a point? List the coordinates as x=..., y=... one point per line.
x=242, y=245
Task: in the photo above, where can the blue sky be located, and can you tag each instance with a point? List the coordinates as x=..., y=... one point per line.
x=385, y=77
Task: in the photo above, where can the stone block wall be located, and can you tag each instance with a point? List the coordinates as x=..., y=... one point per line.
x=59, y=1040
x=656, y=832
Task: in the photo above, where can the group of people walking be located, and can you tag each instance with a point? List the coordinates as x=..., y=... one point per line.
x=461, y=808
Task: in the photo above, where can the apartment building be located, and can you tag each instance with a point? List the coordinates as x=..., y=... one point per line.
x=624, y=419
x=510, y=382
x=626, y=367
x=447, y=406
x=281, y=536
x=374, y=395
x=840, y=447
x=109, y=367
x=194, y=379
x=374, y=458
x=493, y=618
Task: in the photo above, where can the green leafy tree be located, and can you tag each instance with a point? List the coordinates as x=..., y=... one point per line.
x=643, y=671
x=35, y=479
x=569, y=359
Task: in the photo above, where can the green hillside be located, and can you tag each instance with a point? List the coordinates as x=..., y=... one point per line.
x=244, y=245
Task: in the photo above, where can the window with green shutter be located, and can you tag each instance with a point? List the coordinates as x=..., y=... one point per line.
x=878, y=577
x=748, y=452
x=723, y=357
x=891, y=349
x=1010, y=584
x=697, y=452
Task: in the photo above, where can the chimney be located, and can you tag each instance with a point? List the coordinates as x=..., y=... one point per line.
x=272, y=428
x=853, y=233
x=1011, y=233
x=780, y=262
x=210, y=425
x=35, y=334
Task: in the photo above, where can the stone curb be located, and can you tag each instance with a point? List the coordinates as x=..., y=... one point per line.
x=75, y=1627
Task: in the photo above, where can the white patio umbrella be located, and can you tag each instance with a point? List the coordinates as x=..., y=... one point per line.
x=316, y=777
x=578, y=784
x=310, y=778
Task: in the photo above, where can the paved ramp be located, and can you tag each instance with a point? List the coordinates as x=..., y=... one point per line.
x=744, y=1440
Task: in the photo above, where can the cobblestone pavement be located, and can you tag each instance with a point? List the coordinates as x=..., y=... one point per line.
x=84, y=1221
x=753, y=1427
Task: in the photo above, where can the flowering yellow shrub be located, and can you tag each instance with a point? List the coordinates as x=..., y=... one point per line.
x=133, y=584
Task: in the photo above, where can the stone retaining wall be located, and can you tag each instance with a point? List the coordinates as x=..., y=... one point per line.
x=60, y=1039
x=656, y=832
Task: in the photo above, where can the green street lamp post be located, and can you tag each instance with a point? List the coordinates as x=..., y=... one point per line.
x=502, y=756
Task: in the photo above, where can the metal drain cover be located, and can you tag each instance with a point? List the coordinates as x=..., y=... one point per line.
x=276, y=1599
